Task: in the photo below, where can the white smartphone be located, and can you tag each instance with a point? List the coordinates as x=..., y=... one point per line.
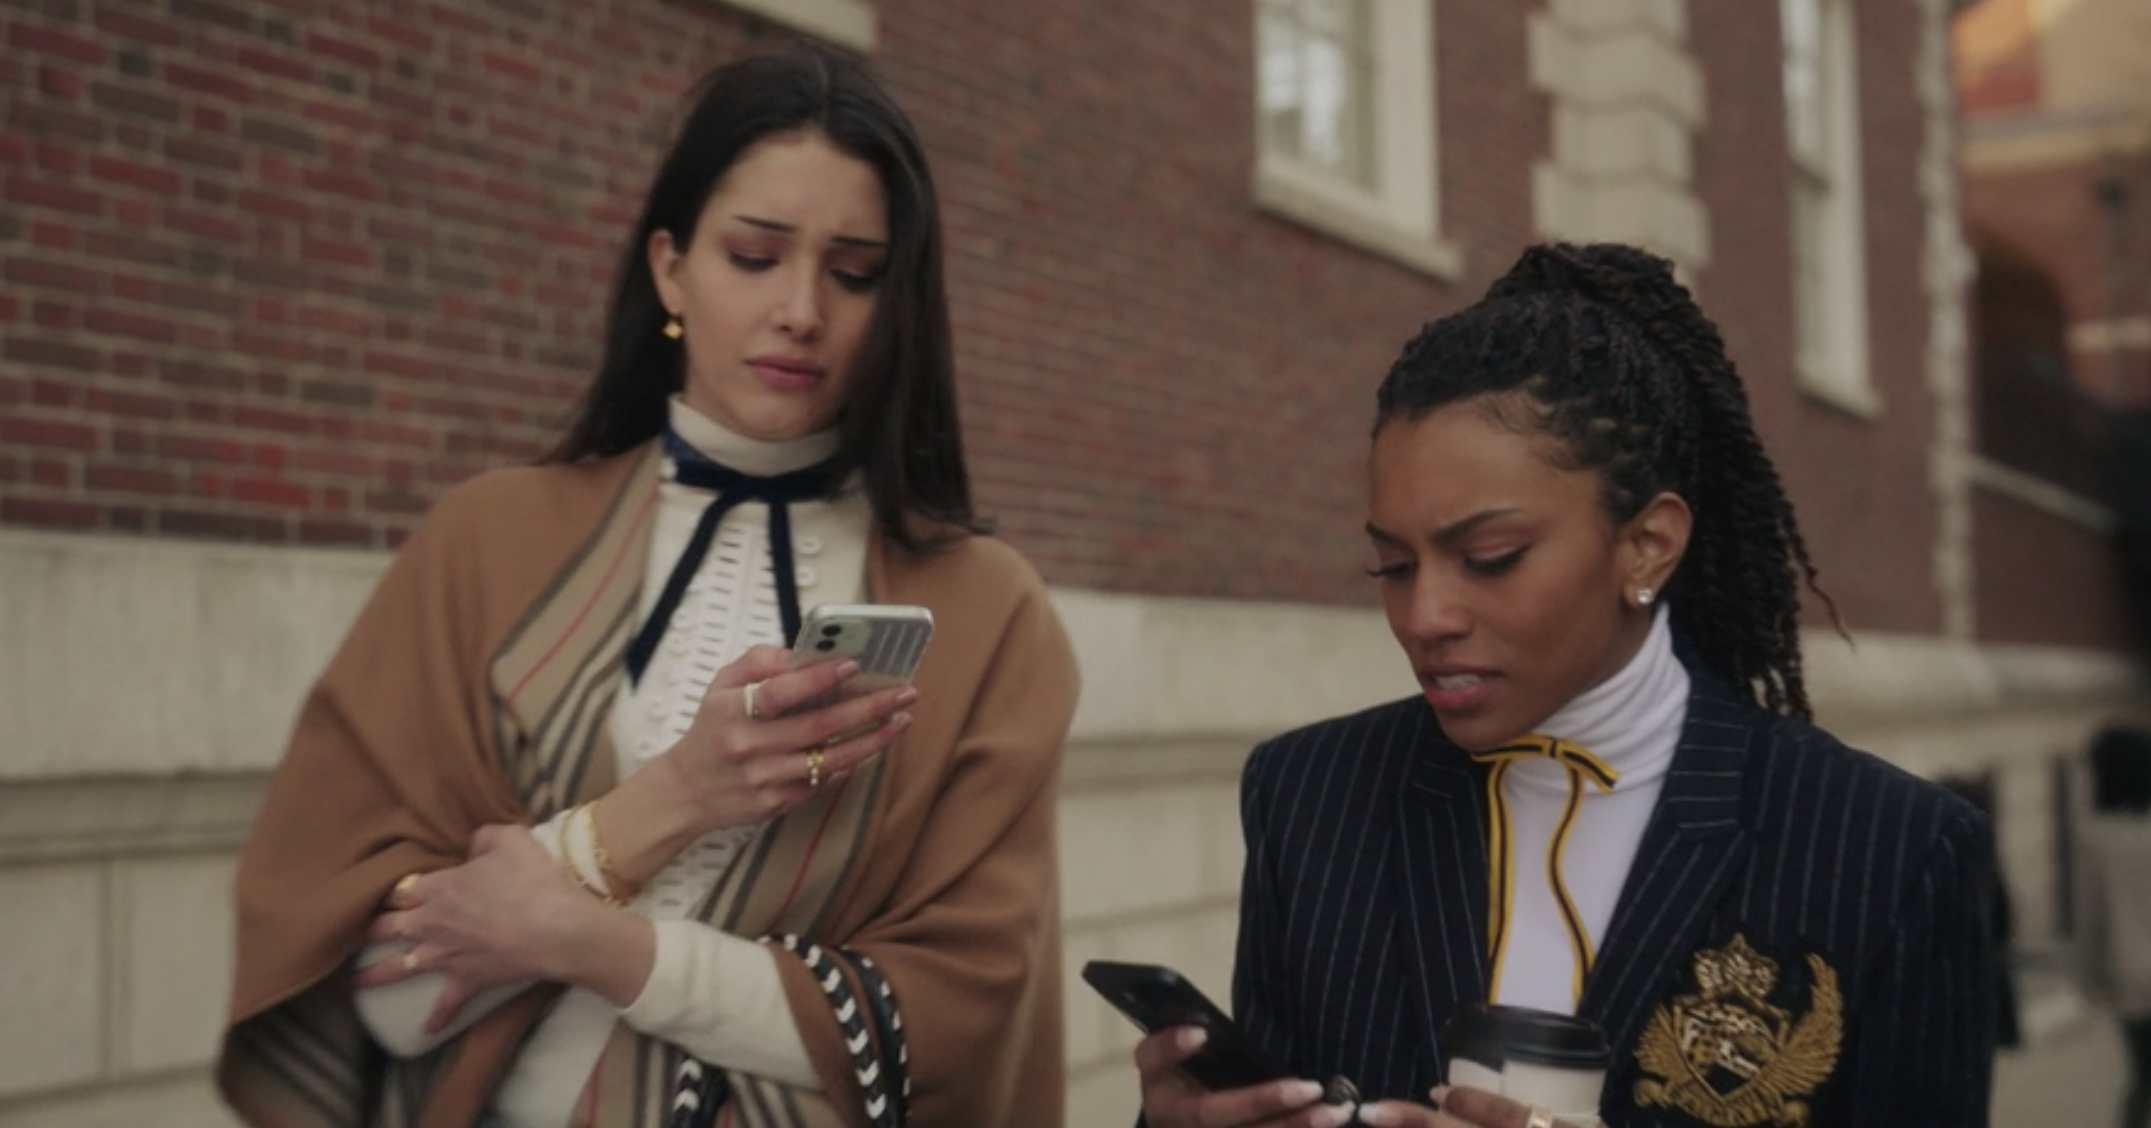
x=887, y=640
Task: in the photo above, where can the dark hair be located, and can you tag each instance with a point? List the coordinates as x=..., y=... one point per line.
x=2121, y=769
x=1600, y=349
x=899, y=423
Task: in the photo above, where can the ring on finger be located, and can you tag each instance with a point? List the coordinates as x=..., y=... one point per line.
x=405, y=892
x=747, y=695
x=815, y=760
x=1539, y=1118
x=410, y=961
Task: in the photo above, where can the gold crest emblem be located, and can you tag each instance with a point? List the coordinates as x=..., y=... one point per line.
x=1727, y=1056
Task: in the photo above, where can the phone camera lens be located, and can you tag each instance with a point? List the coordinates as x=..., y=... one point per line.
x=831, y=631
x=825, y=645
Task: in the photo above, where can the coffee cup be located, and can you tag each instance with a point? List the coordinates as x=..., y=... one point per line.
x=1556, y=1062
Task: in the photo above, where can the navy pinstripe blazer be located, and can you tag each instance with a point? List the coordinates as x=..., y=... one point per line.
x=1363, y=912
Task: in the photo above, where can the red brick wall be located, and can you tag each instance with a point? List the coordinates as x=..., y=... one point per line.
x=282, y=271
x=2044, y=580
x=1860, y=486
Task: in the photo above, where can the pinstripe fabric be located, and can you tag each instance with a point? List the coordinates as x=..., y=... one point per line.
x=1363, y=912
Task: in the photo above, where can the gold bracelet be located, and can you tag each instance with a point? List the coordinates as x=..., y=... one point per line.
x=567, y=857
x=606, y=873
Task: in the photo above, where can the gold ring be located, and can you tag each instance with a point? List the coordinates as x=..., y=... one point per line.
x=410, y=961
x=746, y=697
x=814, y=768
x=1539, y=1118
x=404, y=891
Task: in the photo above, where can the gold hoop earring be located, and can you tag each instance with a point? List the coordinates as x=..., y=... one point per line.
x=673, y=329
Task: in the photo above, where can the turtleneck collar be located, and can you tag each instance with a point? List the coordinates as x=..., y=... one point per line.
x=749, y=456
x=1631, y=721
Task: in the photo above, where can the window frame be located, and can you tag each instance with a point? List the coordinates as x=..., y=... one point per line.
x=1835, y=368
x=1399, y=218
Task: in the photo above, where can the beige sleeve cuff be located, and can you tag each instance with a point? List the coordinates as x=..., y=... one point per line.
x=718, y=997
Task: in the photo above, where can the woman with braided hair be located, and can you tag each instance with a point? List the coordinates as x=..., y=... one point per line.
x=1608, y=802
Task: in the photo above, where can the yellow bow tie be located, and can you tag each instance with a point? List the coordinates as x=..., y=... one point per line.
x=1573, y=756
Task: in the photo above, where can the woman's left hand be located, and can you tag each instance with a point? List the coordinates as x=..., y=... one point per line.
x=506, y=915
x=1462, y=1107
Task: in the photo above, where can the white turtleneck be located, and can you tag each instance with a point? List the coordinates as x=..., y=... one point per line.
x=715, y=995
x=1631, y=722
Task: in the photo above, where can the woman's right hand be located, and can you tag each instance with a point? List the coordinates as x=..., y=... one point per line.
x=1172, y=1099
x=739, y=769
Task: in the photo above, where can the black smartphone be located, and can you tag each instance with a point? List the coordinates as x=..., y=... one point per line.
x=1158, y=997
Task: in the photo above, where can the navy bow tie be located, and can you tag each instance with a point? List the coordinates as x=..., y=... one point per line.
x=693, y=468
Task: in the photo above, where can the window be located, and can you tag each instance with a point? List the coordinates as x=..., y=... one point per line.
x=845, y=23
x=1344, y=113
x=1829, y=283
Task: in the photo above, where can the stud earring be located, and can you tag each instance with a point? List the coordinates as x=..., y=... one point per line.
x=673, y=328
x=1644, y=597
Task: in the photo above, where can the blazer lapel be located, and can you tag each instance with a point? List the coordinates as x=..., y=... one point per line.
x=1441, y=819
x=1695, y=843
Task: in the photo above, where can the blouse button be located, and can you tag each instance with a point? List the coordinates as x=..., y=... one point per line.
x=805, y=576
x=809, y=545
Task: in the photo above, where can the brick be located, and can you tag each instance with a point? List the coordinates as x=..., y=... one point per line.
x=32, y=41
x=335, y=183
x=264, y=131
x=135, y=175
x=343, y=50
x=336, y=252
x=57, y=316
x=130, y=479
x=50, y=354
x=182, y=522
x=270, y=491
x=45, y=512
x=59, y=197
x=125, y=25
x=276, y=65
x=42, y=121
x=47, y=434
x=204, y=225
x=133, y=102
x=279, y=205
x=136, y=326
x=55, y=82
x=322, y=531
x=209, y=12
x=189, y=448
x=216, y=83
x=204, y=154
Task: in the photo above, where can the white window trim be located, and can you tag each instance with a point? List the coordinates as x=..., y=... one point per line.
x=1841, y=376
x=1397, y=220
x=845, y=23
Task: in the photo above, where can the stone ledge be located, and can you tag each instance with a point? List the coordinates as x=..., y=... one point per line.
x=70, y=820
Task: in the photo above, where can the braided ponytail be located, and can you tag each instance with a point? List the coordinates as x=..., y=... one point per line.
x=1635, y=382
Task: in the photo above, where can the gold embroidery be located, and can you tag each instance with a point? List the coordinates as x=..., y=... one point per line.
x=1726, y=1056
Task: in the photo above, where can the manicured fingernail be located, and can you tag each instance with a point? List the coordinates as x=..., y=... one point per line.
x=1191, y=1037
x=906, y=696
x=1379, y=1114
x=1438, y=1094
x=1332, y=1116
x=1302, y=1093
x=847, y=667
x=901, y=721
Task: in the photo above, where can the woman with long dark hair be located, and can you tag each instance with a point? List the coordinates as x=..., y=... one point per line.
x=564, y=837
x=1608, y=801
